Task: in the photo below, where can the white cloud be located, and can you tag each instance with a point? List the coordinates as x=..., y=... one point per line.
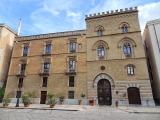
x=74, y=18
x=57, y=5
x=148, y=12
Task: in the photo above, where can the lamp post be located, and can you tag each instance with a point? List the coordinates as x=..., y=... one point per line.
x=18, y=96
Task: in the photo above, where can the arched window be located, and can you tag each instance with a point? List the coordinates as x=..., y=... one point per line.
x=99, y=29
x=124, y=29
x=127, y=49
x=100, y=51
x=99, y=32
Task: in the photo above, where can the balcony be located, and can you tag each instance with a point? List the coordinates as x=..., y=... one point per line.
x=46, y=53
x=128, y=56
x=21, y=73
x=71, y=71
x=101, y=57
x=44, y=72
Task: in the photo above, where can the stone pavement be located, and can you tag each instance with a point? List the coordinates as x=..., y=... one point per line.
x=47, y=107
x=94, y=113
x=76, y=112
x=140, y=109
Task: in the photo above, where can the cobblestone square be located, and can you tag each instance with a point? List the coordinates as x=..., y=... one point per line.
x=95, y=113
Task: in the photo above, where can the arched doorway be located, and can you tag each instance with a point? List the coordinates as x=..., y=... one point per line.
x=134, y=95
x=104, y=92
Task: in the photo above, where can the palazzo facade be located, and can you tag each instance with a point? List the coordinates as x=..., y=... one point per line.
x=105, y=59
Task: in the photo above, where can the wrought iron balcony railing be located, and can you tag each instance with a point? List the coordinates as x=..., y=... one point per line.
x=71, y=71
x=21, y=72
x=44, y=72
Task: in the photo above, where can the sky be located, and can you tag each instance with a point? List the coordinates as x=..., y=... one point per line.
x=50, y=16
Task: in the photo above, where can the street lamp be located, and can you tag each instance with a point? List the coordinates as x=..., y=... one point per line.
x=18, y=96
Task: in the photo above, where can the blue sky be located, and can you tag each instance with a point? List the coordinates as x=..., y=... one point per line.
x=49, y=16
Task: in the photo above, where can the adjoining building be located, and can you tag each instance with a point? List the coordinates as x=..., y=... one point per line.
x=151, y=38
x=105, y=59
x=7, y=36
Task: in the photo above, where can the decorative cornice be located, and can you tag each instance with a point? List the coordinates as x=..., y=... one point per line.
x=90, y=16
x=120, y=16
x=52, y=35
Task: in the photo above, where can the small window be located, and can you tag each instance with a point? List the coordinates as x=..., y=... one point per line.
x=25, y=51
x=20, y=84
x=70, y=94
x=48, y=48
x=72, y=47
x=80, y=46
x=18, y=94
x=127, y=49
x=44, y=81
x=124, y=29
x=130, y=70
x=100, y=32
x=71, y=81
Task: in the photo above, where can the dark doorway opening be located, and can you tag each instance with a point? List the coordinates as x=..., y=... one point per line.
x=43, y=97
x=134, y=95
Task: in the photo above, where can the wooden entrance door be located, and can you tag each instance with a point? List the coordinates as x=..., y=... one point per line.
x=43, y=97
x=104, y=92
x=134, y=95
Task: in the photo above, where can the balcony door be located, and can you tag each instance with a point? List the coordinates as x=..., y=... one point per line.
x=23, y=68
x=72, y=64
x=46, y=67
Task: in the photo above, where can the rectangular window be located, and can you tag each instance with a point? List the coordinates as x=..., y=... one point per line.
x=44, y=81
x=71, y=81
x=25, y=51
x=48, y=49
x=18, y=94
x=130, y=70
x=70, y=94
x=72, y=47
x=20, y=84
